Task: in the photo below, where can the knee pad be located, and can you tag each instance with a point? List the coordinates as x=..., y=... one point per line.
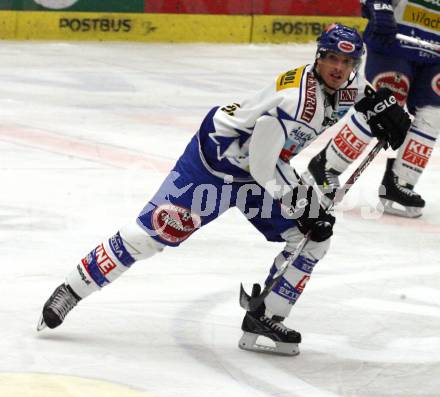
x=416, y=150
x=313, y=250
x=138, y=243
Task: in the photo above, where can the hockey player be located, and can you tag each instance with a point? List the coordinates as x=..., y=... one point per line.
x=240, y=157
x=413, y=75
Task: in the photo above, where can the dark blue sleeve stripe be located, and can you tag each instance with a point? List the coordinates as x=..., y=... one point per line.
x=423, y=135
x=363, y=129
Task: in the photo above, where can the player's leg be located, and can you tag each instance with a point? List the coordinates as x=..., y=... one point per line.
x=267, y=320
x=178, y=209
x=402, y=173
x=103, y=265
x=349, y=141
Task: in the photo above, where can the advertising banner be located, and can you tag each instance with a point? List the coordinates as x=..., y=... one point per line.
x=306, y=7
x=133, y=27
x=265, y=7
x=285, y=29
x=226, y=7
x=8, y=23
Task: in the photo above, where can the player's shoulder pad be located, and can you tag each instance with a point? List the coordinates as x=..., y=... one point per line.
x=290, y=79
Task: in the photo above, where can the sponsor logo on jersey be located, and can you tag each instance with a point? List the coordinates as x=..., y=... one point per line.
x=347, y=96
x=288, y=152
x=348, y=143
x=398, y=83
x=421, y=17
x=297, y=139
x=435, y=84
x=290, y=79
x=417, y=153
x=346, y=46
x=310, y=99
x=173, y=223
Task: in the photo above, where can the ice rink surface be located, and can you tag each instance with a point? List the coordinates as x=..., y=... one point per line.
x=87, y=133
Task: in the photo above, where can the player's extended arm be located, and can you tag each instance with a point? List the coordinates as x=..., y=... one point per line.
x=267, y=140
x=281, y=181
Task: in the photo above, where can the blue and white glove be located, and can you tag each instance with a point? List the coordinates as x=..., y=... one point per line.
x=382, y=25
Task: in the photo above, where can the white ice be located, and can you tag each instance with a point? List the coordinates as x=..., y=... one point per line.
x=87, y=133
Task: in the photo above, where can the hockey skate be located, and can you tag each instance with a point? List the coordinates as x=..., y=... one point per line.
x=60, y=303
x=399, y=199
x=319, y=174
x=257, y=325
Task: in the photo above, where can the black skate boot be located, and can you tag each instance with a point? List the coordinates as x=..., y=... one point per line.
x=256, y=324
x=319, y=173
x=399, y=199
x=61, y=302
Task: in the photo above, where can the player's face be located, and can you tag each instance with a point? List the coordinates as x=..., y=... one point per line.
x=335, y=68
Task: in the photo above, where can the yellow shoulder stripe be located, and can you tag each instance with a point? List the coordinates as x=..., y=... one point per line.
x=290, y=79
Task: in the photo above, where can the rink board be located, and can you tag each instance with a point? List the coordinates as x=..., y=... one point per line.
x=171, y=28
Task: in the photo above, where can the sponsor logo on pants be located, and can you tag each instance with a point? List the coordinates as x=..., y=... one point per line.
x=417, y=153
x=348, y=143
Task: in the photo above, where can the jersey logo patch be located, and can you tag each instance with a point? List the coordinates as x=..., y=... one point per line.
x=290, y=79
x=310, y=99
x=347, y=95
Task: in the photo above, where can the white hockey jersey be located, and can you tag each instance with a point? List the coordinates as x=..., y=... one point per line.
x=254, y=140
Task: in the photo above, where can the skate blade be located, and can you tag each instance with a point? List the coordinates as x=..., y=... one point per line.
x=393, y=208
x=249, y=342
x=41, y=324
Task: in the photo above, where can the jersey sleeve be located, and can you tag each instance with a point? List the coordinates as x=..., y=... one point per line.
x=267, y=141
x=271, y=145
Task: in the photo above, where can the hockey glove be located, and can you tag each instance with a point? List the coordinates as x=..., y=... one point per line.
x=382, y=25
x=310, y=217
x=387, y=120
